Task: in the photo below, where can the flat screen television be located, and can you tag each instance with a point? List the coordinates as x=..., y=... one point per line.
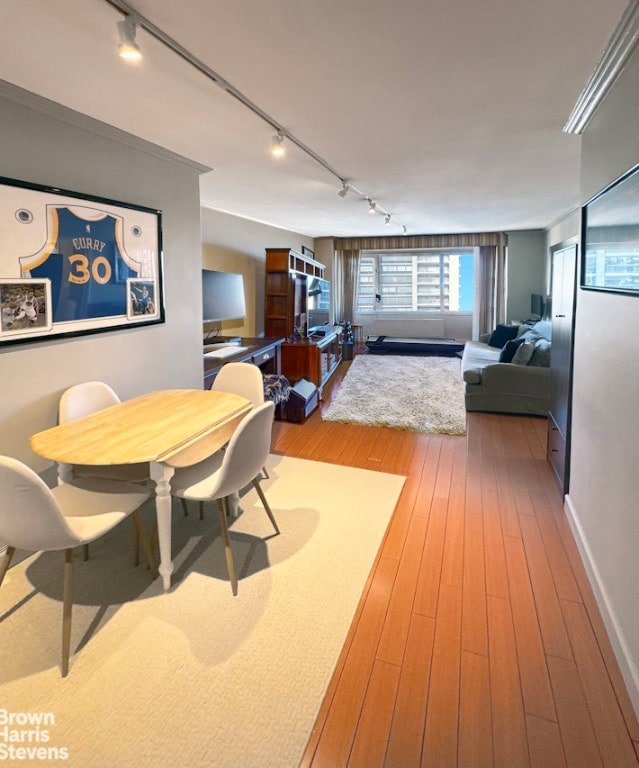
x=318, y=302
x=222, y=296
x=537, y=305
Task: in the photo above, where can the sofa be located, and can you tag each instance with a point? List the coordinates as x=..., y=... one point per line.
x=508, y=370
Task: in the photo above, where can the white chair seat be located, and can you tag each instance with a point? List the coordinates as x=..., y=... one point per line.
x=227, y=472
x=38, y=518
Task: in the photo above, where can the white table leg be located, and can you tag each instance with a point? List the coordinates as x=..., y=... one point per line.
x=65, y=473
x=162, y=474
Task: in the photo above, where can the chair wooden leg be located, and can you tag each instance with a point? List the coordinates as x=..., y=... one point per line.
x=201, y=510
x=136, y=542
x=184, y=507
x=260, y=493
x=86, y=552
x=67, y=607
x=144, y=540
x=265, y=473
x=6, y=562
x=230, y=565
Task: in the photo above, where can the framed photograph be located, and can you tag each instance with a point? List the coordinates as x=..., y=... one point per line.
x=610, y=238
x=25, y=307
x=307, y=252
x=72, y=264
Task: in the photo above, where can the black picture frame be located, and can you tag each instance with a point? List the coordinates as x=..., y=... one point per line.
x=73, y=264
x=610, y=238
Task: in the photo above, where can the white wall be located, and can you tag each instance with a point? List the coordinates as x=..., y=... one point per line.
x=46, y=144
x=231, y=244
x=603, y=503
x=526, y=271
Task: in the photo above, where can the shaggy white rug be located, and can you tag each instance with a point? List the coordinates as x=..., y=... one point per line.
x=425, y=394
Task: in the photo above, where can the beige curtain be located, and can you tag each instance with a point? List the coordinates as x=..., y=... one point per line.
x=490, y=279
x=345, y=277
x=490, y=288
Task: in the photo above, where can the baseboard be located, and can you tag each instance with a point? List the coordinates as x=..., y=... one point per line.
x=617, y=639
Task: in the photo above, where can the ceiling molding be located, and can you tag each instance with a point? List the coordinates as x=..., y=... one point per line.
x=613, y=60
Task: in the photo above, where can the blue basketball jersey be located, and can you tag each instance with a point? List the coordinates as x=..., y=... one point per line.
x=87, y=265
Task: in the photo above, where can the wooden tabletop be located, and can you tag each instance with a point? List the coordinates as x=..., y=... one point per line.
x=174, y=426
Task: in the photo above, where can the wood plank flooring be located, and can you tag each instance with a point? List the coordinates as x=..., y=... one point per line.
x=477, y=641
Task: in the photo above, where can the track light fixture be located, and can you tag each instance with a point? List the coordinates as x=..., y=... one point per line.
x=277, y=145
x=128, y=49
x=387, y=219
x=404, y=230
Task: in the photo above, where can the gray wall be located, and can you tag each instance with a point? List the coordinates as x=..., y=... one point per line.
x=602, y=503
x=231, y=244
x=526, y=271
x=46, y=144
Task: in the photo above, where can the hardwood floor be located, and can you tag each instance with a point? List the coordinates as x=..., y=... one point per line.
x=477, y=641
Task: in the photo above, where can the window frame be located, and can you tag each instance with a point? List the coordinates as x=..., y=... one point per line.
x=377, y=307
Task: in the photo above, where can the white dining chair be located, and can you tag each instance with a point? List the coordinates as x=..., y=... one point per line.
x=243, y=379
x=37, y=518
x=81, y=400
x=227, y=472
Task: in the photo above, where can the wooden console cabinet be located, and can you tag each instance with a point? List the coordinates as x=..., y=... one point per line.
x=287, y=272
x=313, y=360
x=265, y=353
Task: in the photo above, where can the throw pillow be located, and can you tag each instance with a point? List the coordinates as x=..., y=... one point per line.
x=509, y=349
x=524, y=353
x=502, y=334
x=541, y=355
x=523, y=328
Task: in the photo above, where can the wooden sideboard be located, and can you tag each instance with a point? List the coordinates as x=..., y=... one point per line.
x=312, y=359
x=265, y=353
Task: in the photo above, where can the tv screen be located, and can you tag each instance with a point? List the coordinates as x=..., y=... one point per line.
x=537, y=305
x=222, y=296
x=318, y=302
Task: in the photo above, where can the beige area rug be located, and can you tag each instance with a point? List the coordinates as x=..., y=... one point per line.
x=425, y=394
x=196, y=677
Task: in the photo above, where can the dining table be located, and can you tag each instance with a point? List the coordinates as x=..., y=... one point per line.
x=167, y=428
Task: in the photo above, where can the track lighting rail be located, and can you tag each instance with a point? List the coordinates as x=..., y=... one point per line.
x=130, y=12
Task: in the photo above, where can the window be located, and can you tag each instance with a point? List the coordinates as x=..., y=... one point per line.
x=416, y=281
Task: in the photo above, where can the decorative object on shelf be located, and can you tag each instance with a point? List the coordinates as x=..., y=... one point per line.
x=348, y=340
x=348, y=337
x=73, y=264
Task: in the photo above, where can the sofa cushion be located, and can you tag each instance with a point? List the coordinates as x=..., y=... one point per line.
x=543, y=328
x=523, y=353
x=541, y=354
x=502, y=334
x=509, y=349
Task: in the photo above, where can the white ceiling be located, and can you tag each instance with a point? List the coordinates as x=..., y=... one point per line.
x=448, y=114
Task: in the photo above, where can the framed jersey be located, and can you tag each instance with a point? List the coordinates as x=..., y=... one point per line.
x=72, y=264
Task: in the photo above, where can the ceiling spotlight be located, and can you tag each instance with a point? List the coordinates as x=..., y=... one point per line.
x=345, y=189
x=372, y=206
x=387, y=219
x=128, y=49
x=277, y=145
